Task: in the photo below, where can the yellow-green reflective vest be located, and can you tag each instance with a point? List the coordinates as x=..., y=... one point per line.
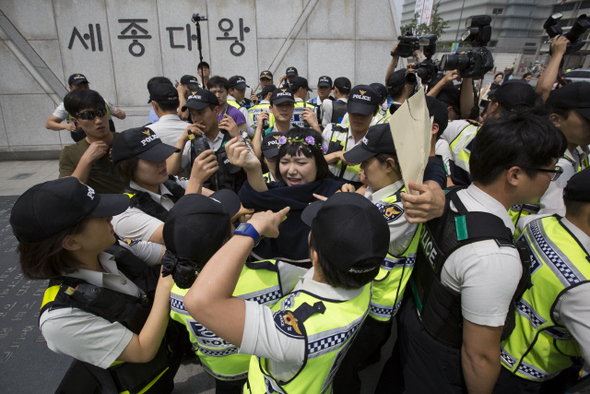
x=297, y=119
x=349, y=173
x=257, y=110
x=460, y=146
x=519, y=211
x=390, y=283
x=259, y=281
x=539, y=348
x=327, y=335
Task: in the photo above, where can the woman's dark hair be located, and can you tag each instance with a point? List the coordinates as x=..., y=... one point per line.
x=308, y=150
x=524, y=140
x=127, y=168
x=346, y=280
x=48, y=259
x=81, y=99
x=500, y=74
x=526, y=75
x=382, y=157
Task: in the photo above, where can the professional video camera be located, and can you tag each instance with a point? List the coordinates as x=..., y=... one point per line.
x=553, y=28
x=426, y=69
x=477, y=61
x=407, y=45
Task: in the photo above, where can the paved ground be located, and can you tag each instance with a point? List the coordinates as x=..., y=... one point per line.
x=23, y=352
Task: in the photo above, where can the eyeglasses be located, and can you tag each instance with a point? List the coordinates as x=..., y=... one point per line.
x=90, y=115
x=556, y=173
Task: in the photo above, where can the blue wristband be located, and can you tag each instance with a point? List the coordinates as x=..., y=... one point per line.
x=248, y=230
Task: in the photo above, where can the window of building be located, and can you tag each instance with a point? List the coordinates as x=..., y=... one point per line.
x=563, y=7
x=585, y=4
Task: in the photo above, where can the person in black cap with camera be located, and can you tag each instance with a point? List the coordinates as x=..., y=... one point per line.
x=363, y=105
x=262, y=106
x=552, y=318
x=299, y=341
x=196, y=228
x=99, y=309
x=140, y=157
x=303, y=111
x=188, y=84
x=204, y=71
x=287, y=77
x=334, y=110
x=266, y=79
x=210, y=133
x=54, y=122
x=282, y=105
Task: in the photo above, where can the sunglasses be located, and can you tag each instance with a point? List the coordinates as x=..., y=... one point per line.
x=556, y=173
x=90, y=115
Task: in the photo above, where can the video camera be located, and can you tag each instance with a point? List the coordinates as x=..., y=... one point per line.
x=553, y=28
x=407, y=45
x=479, y=60
x=198, y=18
x=426, y=69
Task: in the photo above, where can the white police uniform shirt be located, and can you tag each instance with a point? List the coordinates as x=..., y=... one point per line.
x=136, y=224
x=86, y=336
x=443, y=150
x=401, y=231
x=261, y=337
x=485, y=274
x=169, y=128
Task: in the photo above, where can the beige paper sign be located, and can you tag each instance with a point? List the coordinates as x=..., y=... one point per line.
x=411, y=127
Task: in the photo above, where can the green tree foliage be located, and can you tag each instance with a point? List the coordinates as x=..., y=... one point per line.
x=437, y=24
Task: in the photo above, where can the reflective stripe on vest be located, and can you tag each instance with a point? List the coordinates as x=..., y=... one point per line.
x=257, y=110
x=297, y=119
x=220, y=358
x=538, y=348
x=390, y=283
x=459, y=146
x=328, y=335
x=351, y=173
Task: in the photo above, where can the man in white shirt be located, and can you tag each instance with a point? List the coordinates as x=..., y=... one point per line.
x=164, y=100
x=451, y=329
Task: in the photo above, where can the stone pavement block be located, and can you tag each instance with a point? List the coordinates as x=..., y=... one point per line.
x=34, y=19
x=339, y=59
x=177, y=14
x=22, y=110
x=48, y=50
x=14, y=78
x=374, y=21
x=97, y=64
x=372, y=60
x=231, y=55
x=286, y=12
x=332, y=20
x=137, y=57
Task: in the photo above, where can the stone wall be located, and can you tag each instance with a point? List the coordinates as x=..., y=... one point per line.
x=119, y=45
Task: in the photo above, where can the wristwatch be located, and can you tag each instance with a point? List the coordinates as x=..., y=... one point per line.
x=248, y=230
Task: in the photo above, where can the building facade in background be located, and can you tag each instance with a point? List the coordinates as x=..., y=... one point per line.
x=518, y=37
x=120, y=45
